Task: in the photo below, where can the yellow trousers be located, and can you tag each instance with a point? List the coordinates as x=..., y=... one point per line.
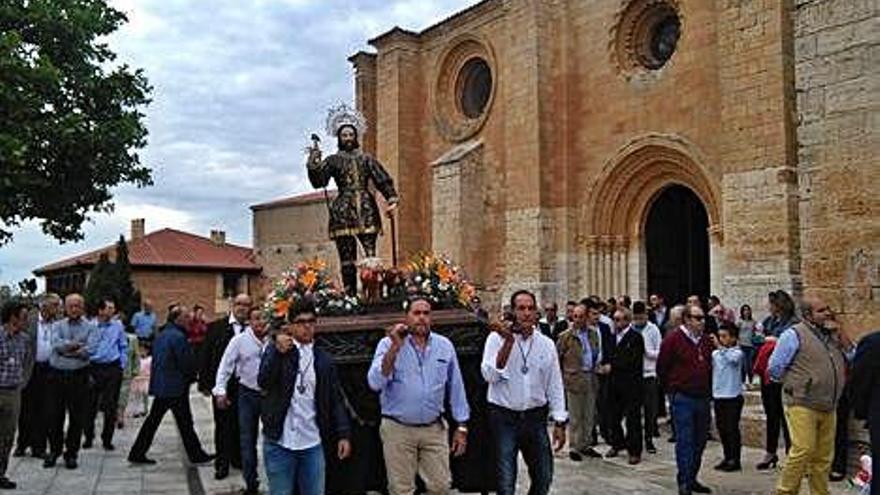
x=812, y=450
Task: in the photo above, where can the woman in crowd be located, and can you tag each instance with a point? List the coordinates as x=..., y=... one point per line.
x=771, y=397
x=746, y=326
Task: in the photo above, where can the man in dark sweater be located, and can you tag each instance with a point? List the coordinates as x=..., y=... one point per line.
x=684, y=367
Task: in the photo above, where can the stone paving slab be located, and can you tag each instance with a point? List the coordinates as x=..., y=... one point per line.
x=108, y=473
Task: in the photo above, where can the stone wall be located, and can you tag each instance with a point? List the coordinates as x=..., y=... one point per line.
x=837, y=73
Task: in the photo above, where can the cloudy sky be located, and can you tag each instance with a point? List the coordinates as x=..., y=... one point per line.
x=238, y=87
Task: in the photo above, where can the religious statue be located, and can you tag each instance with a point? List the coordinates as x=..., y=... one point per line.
x=354, y=214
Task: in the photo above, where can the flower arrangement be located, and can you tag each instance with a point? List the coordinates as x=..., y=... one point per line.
x=379, y=282
x=310, y=280
x=438, y=279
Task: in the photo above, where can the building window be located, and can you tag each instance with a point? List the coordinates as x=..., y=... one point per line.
x=474, y=86
x=647, y=35
x=230, y=284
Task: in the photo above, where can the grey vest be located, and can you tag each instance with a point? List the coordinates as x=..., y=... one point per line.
x=816, y=375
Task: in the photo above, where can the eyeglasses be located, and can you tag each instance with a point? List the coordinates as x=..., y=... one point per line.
x=620, y=319
x=697, y=317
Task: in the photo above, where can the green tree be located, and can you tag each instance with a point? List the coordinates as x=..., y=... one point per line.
x=102, y=283
x=70, y=119
x=129, y=299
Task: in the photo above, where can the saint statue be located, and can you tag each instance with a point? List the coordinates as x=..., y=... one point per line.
x=354, y=214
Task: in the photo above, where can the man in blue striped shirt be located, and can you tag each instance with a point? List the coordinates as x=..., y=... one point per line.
x=108, y=361
x=414, y=371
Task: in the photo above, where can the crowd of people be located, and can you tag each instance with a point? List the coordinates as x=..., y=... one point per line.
x=606, y=369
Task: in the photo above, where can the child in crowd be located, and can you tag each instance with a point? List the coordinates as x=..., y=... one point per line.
x=727, y=365
x=140, y=384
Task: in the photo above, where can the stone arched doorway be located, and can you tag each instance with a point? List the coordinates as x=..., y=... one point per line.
x=676, y=238
x=614, y=259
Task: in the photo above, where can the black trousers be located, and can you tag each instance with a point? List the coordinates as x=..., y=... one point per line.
x=179, y=407
x=604, y=409
x=651, y=394
x=33, y=420
x=68, y=397
x=727, y=416
x=771, y=398
x=626, y=405
x=104, y=397
x=841, y=434
x=346, y=246
x=227, y=439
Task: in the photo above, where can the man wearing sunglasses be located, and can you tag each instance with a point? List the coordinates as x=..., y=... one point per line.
x=684, y=367
x=303, y=410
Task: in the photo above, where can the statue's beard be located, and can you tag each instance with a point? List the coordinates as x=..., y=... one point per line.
x=348, y=145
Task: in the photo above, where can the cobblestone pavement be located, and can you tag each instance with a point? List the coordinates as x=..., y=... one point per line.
x=108, y=473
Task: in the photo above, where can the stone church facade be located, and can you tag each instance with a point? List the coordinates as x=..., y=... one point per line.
x=625, y=146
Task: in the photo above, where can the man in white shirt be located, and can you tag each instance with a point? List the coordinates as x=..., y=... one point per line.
x=525, y=383
x=32, y=422
x=303, y=409
x=242, y=359
x=651, y=390
x=226, y=434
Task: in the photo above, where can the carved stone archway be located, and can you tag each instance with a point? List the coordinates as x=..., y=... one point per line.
x=621, y=196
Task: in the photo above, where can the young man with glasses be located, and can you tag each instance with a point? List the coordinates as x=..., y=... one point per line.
x=685, y=370
x=303, y=410
x=415, y=372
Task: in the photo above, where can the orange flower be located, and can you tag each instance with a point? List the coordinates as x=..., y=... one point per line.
x=281, y=307
x=318, y=265
x=309, y=278
x=444, y=273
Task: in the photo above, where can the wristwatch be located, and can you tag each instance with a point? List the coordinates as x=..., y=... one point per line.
x=560, y=424
x=462, y=428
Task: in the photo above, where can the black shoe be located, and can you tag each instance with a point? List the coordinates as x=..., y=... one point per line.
x=250, y=491
x=221, y=472
x=202, y=458
x=108, y=446
x=698, y=487
x=20, y=452
x=591, y=452
x=141, y=460
x=50, y=460
x=650, y=448
x=87, y=444
x=732, y=467
x=6, y=484
x=769, y=462
x=575, y=456
x=721, y=465
x=38, y=454
x=70, y=463
x=671, y=439
x=612, y=453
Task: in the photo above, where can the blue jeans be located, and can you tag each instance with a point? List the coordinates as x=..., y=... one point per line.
x=289, y=469
x=525, y=432
x=691, y=418
x=248, y=426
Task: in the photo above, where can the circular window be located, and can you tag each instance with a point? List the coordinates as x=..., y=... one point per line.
x=461, y=99
x=647, y=34
x=474, y=87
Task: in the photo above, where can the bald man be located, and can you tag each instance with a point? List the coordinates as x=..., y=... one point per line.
x=226, y=431
x=809, y=360
x=74, y=339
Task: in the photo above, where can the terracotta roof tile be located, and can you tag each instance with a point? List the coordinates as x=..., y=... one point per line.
x=169, y=248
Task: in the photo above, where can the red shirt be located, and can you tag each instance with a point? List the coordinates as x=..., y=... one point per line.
x=685, y=366
x=762, y=362
x=195, y=334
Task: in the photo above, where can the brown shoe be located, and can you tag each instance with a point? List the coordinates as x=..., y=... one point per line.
x=634, y=459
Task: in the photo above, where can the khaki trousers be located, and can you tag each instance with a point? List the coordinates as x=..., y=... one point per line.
x=411, y=450
x=812, y=450
x=582, y=414
x=10, y=405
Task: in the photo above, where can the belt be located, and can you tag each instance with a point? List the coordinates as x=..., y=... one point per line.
x=107, y=365
x=414, y=425
x=537, y=412
x=10, y=388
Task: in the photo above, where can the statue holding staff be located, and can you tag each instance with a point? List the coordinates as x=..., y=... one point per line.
x=354, y=214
